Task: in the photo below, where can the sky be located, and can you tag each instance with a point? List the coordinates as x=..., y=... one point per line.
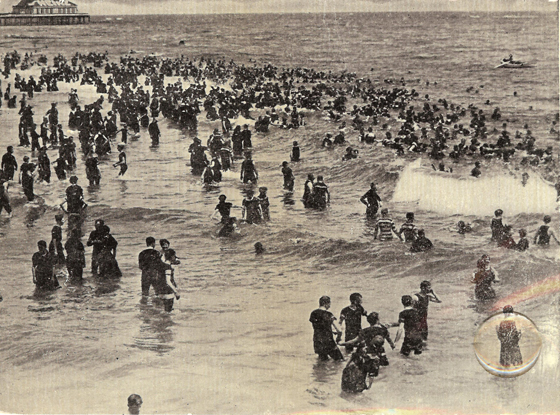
x=115, y=7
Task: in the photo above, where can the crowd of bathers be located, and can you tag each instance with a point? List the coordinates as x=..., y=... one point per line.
x=281, y=97
x=136, y=91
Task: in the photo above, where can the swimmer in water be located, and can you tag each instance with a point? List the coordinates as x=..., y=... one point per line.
x=92, y=170
x=9, y=163
x=421, y=304
x=26, y=178
x=229, y=228
x=483, y=277
x=544, y=233
x=323, y=322
x=408, y=323
x=321, y=194
x=421, y=243
x=497, y=226
x=368, y=334
x=376, y=350
x=358, y=374
x=372, y=201
x=350, y=154
x=149, y=261
x=509, y=336
x=409, y=228
x=248, y=171
x=463, y=227
x=122, y=160
x=74, y=197
x=507, y=239
x=43, y=268
x=308, y=191
x=476, y=171
x=251, y=209
x=124, y=133
x=76, y=260
x=246, y=137
x=352, y=317
x=523, y=243
x=259, y=248
x=56, y=249
x=4, y=198
x=265, y=204
x=295, y=155
x=385, y=227
x=167, y=254
x=155, y=134
x=224, y=208
x=327, y=141
x=289, y=178
x=134, y=404
x=165, y=285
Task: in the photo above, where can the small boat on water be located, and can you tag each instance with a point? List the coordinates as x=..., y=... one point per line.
x=507, y=64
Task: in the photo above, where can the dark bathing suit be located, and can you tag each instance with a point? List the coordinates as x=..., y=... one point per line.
x=323, y=342
x=543, y=238
x=412, y=337
x=353, y=319
x=421, y=307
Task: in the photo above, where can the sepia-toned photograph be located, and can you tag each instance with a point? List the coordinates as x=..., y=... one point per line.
x=279, y=207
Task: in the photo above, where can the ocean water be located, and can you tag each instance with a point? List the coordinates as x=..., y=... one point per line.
x=239, y=340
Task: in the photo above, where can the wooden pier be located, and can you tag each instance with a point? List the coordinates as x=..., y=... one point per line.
x=44, y=13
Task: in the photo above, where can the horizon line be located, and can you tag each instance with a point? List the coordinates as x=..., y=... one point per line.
x=333, y=12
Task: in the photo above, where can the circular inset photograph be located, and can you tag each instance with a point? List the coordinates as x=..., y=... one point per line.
x=507, y=344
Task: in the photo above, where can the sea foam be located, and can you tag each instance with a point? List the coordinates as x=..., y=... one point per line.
x=449, y=193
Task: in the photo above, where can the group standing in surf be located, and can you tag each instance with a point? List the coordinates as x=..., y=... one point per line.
x=369, y=355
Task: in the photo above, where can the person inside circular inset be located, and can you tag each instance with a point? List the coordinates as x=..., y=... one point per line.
x=509, y=336
x=507, y=343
